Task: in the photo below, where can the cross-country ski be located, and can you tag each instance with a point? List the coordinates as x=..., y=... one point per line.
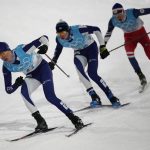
x=32, y=134
x=101, y=107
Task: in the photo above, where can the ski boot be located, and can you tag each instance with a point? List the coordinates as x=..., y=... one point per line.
x=41, y=123
x=76, y=121
x=142, y=78
x=115, y=102
x=96, y=102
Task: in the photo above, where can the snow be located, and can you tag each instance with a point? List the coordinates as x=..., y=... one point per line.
x=123, y=129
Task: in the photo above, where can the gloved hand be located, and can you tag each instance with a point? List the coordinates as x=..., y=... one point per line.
x=103, y=51
x=19, y=81
x=42, y=49
x=52, y=64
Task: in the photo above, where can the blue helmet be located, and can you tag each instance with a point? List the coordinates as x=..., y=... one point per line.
x=4, y=46
x=62, y=26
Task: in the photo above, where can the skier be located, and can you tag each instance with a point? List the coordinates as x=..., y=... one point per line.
x=132, y=26
x=24, y=59
x=86, y=51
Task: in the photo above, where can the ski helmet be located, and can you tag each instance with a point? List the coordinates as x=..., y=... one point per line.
x=4, y=46
x=62, y=26
x=117, y=8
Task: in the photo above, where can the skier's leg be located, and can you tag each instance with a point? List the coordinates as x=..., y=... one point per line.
x=80, y=63
x=137, y=69
x=50, y=95
x=130, y=48
x=92, y=72
x=48, y=88
x=29, y=86
x=145, y=42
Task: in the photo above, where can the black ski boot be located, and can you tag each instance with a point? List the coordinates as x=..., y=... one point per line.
x=142, y=78
x=115, y=102
x=41, y=123
x=96, y=101
x=76, y=121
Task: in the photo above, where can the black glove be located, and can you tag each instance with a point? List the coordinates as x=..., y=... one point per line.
x=103, y=51
x=52, y=64
x=19, y=81
x=42, y=49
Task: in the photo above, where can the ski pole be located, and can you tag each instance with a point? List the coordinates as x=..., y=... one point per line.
x=57, y=66
x=129, y=42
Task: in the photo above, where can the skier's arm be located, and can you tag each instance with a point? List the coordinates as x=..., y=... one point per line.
x=43, y=40
x=58, y=51
x=109, y=31
x=93, y=30
x=9, y=88
x=141, y=12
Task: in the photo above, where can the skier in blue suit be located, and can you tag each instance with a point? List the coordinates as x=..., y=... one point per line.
x=85, y=54
x=24, y=59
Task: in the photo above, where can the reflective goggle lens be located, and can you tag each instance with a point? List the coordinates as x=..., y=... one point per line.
x=116, y=12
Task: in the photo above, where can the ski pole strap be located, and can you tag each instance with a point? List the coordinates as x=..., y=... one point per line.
x=130, y=41
x=57, y=66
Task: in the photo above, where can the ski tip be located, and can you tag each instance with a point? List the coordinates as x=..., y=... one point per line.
x=122, y=105
x=87, y=124
x=31, y=134
x=12, y=140
x=126, y=104
x=77, y=130
x=142, y=88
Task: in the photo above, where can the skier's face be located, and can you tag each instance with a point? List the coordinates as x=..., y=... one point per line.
x=6, y=56
x=63, y=35
x=119, y=14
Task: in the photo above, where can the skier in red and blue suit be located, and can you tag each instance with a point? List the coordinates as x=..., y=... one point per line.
x=134, y=33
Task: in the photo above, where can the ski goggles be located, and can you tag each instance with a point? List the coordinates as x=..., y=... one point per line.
x=118, y=12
